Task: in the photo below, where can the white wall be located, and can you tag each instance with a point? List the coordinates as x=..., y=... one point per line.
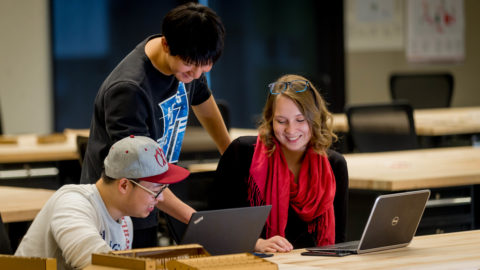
x=367, y=73
x=25, y=69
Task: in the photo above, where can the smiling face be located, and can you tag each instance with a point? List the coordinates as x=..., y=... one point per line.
x=290, y=126
x=305, y=102
x=141, y=202
x=159, y=53
x=184, y=71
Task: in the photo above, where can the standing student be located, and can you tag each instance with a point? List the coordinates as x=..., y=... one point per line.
x=285, y=166
x=79, y=220
x=149, y=93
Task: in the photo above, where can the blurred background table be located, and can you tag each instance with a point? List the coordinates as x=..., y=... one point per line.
x=22, y=204
x=433, y=122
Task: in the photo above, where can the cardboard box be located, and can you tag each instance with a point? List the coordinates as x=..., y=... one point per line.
x=147, y=258
x=27, y=263
x=51, y=138
x=241, y=261
x=191, y=256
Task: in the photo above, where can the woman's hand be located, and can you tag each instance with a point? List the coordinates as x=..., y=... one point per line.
x=273, y=244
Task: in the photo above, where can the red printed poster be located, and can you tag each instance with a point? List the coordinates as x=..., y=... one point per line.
x=436, y=31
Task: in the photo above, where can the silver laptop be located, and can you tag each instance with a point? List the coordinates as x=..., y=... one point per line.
x=392, y=224
x=227, y=231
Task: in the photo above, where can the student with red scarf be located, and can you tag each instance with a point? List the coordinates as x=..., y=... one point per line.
x=286, y=166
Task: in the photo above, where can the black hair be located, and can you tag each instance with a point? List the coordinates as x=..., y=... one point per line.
x=195, y=33
x=107, y=179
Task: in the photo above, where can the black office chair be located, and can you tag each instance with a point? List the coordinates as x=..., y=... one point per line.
x=340, y=203
x=221, y=193
x=431, y=90
x=382, y=127
x=5, y=246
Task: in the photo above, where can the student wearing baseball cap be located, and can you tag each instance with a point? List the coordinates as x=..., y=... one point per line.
x=79, y=220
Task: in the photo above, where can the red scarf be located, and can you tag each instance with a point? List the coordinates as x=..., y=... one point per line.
x=272, y=183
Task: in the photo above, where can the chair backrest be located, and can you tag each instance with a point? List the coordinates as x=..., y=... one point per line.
x=196, y=189
x=210, y=190
x=382, y=127
x=432, y=90
x=340, y=203
x=5, y=246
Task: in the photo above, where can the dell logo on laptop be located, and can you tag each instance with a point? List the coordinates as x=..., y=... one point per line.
x=395, y=221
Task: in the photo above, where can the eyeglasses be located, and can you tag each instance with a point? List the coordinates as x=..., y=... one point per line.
x=280, y=87
x=154, y=194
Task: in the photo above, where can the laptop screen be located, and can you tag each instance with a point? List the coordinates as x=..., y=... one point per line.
x=227, y=231
x=394, y=220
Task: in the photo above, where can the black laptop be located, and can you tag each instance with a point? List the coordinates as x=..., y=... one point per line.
x=227, y=231
x=392, y=224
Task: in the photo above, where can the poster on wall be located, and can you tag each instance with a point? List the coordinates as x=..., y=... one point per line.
x=374, y=25
x=436, y=31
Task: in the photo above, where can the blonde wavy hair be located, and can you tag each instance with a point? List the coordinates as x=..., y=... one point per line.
x=311, y=105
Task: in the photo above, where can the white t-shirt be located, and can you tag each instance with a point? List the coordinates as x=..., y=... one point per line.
x=73, y=224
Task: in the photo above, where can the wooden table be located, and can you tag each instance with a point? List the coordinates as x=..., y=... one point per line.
x=414, y=169
x=27, y=149
x=459, y=250
x=447, y=121
x=441, y=251
x=52, y=159
x=22, y=204
x=433, y=122
x=452, y=174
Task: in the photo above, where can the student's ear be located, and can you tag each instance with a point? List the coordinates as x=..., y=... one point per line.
x=123, y=185
x=165, y=45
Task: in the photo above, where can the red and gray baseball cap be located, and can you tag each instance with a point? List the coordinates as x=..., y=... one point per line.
x=140, y=157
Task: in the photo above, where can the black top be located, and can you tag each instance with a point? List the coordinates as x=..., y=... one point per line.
x=231, y=190
x=137, y=99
